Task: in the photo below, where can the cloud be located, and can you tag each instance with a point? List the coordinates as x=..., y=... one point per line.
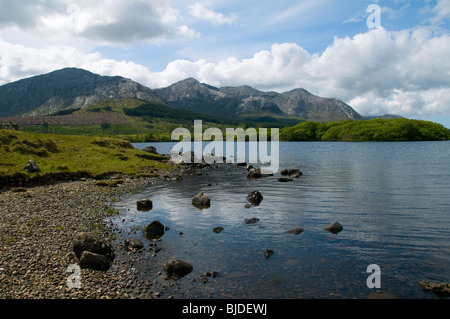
x=199, y=11
x=441, y=11
x=404, y=72
x=102, y=21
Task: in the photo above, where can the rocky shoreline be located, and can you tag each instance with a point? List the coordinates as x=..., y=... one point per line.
x=37, y=229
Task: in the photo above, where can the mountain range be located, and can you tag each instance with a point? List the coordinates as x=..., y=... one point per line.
x=73, y=88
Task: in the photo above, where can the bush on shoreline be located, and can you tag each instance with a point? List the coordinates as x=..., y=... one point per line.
x=378, y=130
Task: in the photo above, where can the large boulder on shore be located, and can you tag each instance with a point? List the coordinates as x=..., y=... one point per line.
x=98, y=253
x=176, y=269
x=89, y=260
x=150, y=149
x=201, y=201
x=32, y=167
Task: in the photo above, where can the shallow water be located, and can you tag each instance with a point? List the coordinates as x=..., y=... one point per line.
x=391, y=198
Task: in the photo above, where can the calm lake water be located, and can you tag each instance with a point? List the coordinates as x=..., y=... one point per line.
x=391, y=198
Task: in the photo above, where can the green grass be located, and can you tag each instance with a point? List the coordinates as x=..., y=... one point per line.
x=72, y=155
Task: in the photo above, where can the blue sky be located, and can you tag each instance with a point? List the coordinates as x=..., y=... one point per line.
x=323, y=46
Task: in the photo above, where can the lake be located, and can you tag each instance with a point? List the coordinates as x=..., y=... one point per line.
x=392, y=200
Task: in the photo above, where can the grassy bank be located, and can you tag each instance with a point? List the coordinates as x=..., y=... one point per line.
x=71, y=157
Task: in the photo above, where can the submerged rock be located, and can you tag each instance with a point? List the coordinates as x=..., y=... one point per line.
x=251, y=221
x=144, y=204
x=268, y=253
x=439, y=290
x=255, y=197
x=176, y=269
x=295, y=231
x=201, y=201
x=258, y=172
x=218, y=229
x=293, y=173
x=154, y=230
x=334, y=228
x=284, y=179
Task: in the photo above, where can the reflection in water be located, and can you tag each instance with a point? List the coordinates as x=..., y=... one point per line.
x=391, y=198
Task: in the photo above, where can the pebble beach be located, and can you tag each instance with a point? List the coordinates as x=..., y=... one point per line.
x=37, y=228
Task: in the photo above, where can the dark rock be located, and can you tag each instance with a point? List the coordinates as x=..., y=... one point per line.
x=257, y=173
x=293, y=173
x=284, y=179
x=211, y=274
x=150, y=149
x=176, y=269
x=247, y=206
x=92, y=243
x=255, y=197
x=154, y=230
x=89, y=260
x=251, y=221
x=268, y=253
x=201, y=201
x=295, y=231
x=133, y=244
x=334, y=228
x=241, y=164
x=144, y=204
x=439, y=290
x=218, y=229
x=249, y=167
x=32, y=167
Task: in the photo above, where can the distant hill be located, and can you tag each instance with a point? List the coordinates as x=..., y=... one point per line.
x=68, y=88
x=69, y=91
x=231, y=102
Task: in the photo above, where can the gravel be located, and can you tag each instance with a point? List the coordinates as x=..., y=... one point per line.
x=37, y=228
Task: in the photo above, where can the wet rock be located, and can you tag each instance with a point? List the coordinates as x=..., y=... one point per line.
x=133, y=244
x=257, y=173
x=284, y=179
x=176, y=269
x=251, y=221
x=334, y=228
x=93, y=243
x=439, y=290
x=248, y=206
x=241, y=164
x=154, y=230
x=292, y=173
x=255, y=197
x=144, y=204
x=201, y=201
x=218, y=229
x=295, y=231
x=150, y=149
x=89, y=260
x=268, y=253
x=32, y=167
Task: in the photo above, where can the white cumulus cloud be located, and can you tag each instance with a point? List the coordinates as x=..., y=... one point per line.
x=200, y=11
